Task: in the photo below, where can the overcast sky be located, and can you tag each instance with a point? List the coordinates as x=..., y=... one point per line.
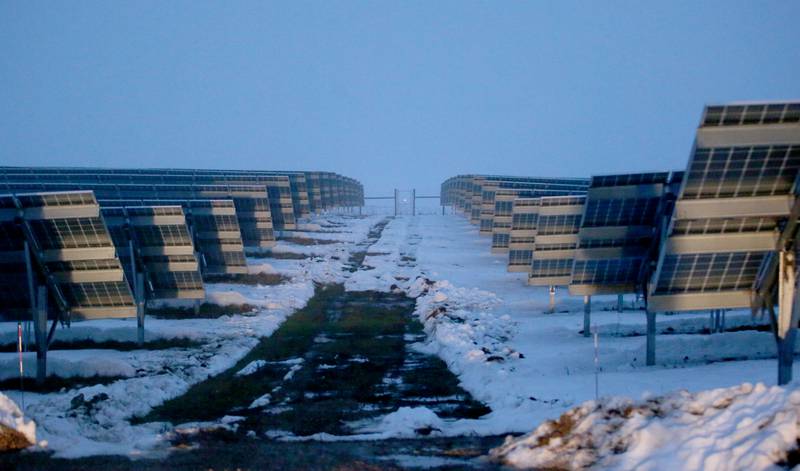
x=397, y=94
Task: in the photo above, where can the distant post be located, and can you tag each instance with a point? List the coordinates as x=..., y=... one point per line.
x=651, y=338
x=587, y=315
x=139, y=308
x=40, y=326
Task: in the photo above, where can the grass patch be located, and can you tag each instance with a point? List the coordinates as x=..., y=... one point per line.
x=261, y=279
x=57, y=383
x=86, y=344
x=307, y=241
x=215, y=397
x=280, y=255
x=205, y=311
x=355, y=261
x=356, y=365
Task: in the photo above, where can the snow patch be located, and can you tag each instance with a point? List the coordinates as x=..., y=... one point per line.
x=252, y=367
x=12, y=417
x=742, y=427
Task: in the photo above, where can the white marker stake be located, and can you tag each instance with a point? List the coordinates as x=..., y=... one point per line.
x=21, y=367
x=596, y=367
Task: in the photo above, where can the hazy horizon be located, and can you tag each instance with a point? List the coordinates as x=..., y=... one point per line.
x=397, y=95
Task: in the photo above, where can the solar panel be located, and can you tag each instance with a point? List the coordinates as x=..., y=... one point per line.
x=556, y=239
x=738, y=189
x=215, y=230
x=618, y=232
x=495, y=209
x=484, y=189
x=71, y=252
x=162, y=248
x=751, y=114
x=525, y=216
x=498, y=198
x=251, y=201
x=314, y=191
x=742, y=171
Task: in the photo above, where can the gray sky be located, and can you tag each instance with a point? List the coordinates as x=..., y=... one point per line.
x=397, y=94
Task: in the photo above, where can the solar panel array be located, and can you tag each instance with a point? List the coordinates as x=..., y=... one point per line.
x=251, y=202
x=525, y=217
x=619, y=232
x=502, y=219
x=692, y=240
x=276, y=189
x=71, y=252
x=155, y=241
x=484, y=188
x=181, y=224
x=214, y=228
x=556, y=239
x=294, y=194
x=497, y=197
x=738, y=191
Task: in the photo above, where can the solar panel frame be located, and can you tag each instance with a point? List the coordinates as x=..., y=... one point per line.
x=215, y=231
x=556, y=240
x=161, y=242
x=740, y=174
x=619, y=232
x=73, y=255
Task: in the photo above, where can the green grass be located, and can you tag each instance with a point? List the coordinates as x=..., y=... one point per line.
x=266, y=279
x=307, y=241
x=84, y=344
x=216, y=396
x=280, y=255
x=56, y=383
x=205, y=311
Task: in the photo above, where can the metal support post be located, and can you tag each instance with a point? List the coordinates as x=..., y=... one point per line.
x=620, y=303
x=587, y=316
x=787, y=315
x=40, y=326
x=651, y=339
x=414, y=202
x=140, y=308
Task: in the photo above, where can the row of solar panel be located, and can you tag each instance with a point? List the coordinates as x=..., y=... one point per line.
x=96, y=245
x=291, y=194
x=686, y=240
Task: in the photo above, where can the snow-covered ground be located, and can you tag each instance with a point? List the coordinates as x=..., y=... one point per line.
x=96, y=423
x=741, y=427
x=488, y=325
x=528, y=366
